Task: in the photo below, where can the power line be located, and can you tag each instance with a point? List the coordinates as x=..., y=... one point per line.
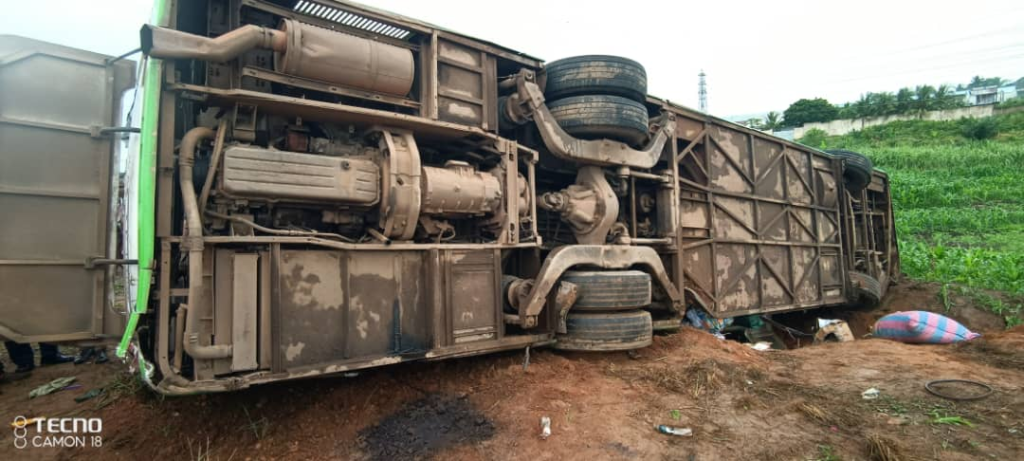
x=987, y=34
x=919, y=70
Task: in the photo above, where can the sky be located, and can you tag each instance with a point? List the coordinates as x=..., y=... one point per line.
x=758, y=56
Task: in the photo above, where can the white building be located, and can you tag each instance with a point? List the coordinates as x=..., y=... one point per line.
x=988, y=94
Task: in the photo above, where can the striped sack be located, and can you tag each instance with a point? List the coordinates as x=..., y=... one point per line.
x=922, y=327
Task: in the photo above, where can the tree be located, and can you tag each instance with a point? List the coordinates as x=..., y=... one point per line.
x=980, y=82
x=945, y=99
x=904, y=100
x=883, y=103
x=772, y=121
x=809, y=111
x=924, y=98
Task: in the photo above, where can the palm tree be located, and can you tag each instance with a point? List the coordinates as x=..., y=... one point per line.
x=925, y=98
x=945, y=99
x=904, y=100
x=772, y=121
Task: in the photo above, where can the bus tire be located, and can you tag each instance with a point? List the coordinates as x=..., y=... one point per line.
x=602, y=291
x=606, y=331
x=601, y=116
x=857, y=169
x=596, y=75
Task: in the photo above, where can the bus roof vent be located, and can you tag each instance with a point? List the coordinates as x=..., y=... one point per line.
x=348, y=19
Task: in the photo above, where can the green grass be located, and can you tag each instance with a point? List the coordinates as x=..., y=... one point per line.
x=959, y=203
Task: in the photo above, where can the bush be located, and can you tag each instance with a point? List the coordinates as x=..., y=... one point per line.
x=980, y=128
x=1014, y=102
x=815, y=138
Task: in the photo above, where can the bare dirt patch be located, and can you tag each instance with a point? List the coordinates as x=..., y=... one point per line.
x=740, y=403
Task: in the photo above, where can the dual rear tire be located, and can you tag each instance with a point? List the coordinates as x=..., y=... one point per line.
x=602, y=97
x=599, y=97
x=608, y=314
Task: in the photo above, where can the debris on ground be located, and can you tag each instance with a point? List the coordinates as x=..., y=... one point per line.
x=93, y=393
x=701, y=320
x=963, y=390
x=51, y=387
x=870, y=394
x=833, y=331
x=761, y=346
x=670, y=430
x=922, y=327
x=545, y=427
x=604, y=406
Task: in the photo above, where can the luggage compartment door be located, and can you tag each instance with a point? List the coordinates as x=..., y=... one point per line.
x=56, y=180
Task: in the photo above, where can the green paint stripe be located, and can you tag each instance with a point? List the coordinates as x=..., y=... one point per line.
x=147, y=183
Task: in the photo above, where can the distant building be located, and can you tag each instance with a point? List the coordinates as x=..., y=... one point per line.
x=987, y=94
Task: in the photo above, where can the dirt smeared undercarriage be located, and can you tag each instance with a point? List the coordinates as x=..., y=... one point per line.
x=340, y=188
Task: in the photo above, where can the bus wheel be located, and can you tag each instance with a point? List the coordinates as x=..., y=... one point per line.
x=601, y=116
x=866, y=290
x=610, y=290
x=596, y=74
x=612, y=331
x=857, y=171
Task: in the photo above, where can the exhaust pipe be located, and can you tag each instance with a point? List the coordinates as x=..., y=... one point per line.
x=194, y=244
x=299, y=49
x=164, y=43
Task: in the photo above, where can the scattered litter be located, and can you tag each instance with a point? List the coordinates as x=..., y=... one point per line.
x=72, y=387
x=545, y=427
x=51, y=387
x=897, y=421
x=822, y=323
x=680, y=431
x=985, y=389
x=836, y=330
x=870, y=394
x=89, y=395
x=922, y=327
x=761, y=346
x=701, y=320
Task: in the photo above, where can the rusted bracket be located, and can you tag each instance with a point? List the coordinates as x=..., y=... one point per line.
x=604, y=256
x=528, y=104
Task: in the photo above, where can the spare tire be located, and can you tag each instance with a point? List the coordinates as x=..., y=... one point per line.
x=596, y=75
x=856, y=170
x=601, y=116
x=610, y=290
x=613, y=331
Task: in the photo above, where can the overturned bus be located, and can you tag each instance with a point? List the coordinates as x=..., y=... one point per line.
x=322, y=187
